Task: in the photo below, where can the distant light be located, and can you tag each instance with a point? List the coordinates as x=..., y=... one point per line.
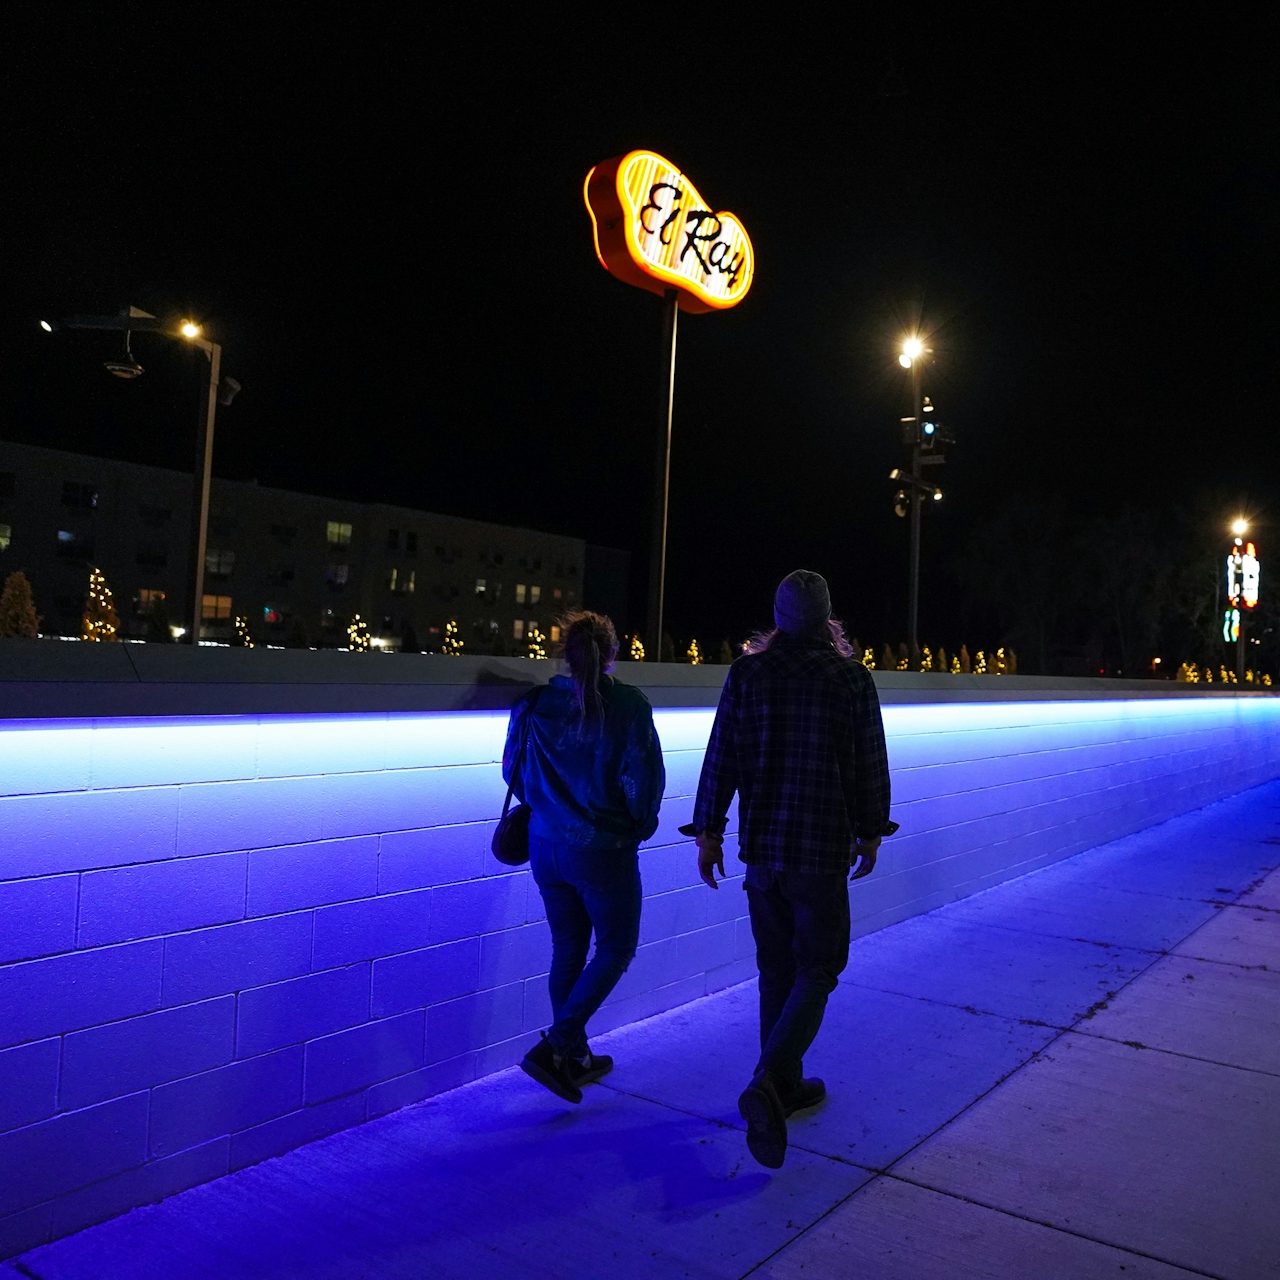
x=905, y=361
x=1239, y=526
x=177, y=632
x=46, y=326
x=937, y=495
x=929, y=428
x=189, y=329
x=895, y=473
x=912, y=348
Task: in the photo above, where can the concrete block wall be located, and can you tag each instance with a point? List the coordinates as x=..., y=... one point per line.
x=221, y=938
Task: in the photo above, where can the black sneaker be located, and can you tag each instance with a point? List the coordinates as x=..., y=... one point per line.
x=760, y=1106
x=587, y=1070
x=543, y=1064
x=808, y=1093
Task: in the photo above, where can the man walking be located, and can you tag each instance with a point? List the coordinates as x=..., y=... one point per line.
x=798, y=736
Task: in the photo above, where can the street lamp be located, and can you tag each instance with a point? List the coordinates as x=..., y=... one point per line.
x=217, y=390
x=1242, y=589
x=912, y=358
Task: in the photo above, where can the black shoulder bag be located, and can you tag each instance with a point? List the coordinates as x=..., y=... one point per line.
x=510, y=842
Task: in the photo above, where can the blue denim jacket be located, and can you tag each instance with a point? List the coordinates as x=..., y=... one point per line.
x=598, y=789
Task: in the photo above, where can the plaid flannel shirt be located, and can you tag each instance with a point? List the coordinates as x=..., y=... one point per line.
x=798, y=736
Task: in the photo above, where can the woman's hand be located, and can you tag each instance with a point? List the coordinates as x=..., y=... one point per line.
x=710, y=855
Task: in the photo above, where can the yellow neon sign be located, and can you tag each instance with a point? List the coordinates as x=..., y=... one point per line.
x=653, y=230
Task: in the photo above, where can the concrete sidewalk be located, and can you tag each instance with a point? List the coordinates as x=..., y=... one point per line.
x=1075, y=1074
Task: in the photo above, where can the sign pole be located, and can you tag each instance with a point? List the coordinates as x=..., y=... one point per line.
x=662, y=477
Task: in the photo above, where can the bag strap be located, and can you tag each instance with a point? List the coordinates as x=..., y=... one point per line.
x=524, y=742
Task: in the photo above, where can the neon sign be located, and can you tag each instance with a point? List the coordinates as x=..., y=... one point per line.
x=1243, y=573
x=653, y=230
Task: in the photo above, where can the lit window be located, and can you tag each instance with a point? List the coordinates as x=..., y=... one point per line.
x=535, y=594
x=410, y=581
x=336, y=575
x=338, y=534
x=520, y=593
x=517, y=629
x=221, y=563
x=555, y=632
x=215, y=607
x=479, y=586
x=149, y=598
x=556, y=595
x=6, y=536
x=392, y=575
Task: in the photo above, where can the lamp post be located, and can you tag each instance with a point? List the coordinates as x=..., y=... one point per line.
x=912, y=357
x=214, y=392
x=1242, y=587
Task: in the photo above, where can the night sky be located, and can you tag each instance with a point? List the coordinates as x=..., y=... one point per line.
x=379, y=213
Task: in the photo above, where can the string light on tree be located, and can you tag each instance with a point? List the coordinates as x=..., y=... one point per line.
x=869, y=659
x=926, y=659
x=980, y=666
x=452, y=644
x=100, y=620
x=694, y=654
x=243, y=639
x=358, y=638
x=536, y=641
x=955, y=665
x=637, y=649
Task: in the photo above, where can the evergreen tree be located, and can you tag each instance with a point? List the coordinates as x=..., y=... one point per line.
x=726, y=653
x=887, y=661
x=18, y=615
x=100, y=620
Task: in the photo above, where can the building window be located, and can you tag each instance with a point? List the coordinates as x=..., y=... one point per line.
x=393, y=539
x=479, y=586
x=556, y=593
x=338, y=533
x=284, y=533
x=555, y=634
x=411, y=543
x=215, y=608
x=392, y=575
x=148, y=599
x=410, y=581
x=154, y=517
x=152, y=557
x=520, y=593
x=79, y=495
x=335, y=576
x=8, y=484
x=517, y=629
x=6, y=536
x=74, y=546
x=535, y=593
x=220, y=563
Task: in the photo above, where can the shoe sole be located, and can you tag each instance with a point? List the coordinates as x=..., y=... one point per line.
x=788, y=1112
x=548, y=1081
x=766, y=1129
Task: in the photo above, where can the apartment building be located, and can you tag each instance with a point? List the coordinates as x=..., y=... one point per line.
x=296, y=567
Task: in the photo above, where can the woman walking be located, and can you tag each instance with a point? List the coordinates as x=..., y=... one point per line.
x=592, y=774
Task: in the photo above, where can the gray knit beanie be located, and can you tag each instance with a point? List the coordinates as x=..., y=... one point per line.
x=802, y=601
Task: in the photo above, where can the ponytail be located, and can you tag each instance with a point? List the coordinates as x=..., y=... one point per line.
x=590, y=646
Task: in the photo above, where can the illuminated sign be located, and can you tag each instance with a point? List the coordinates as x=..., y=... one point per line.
x=1243, y=572
x=652, y=229
x=1231, y=626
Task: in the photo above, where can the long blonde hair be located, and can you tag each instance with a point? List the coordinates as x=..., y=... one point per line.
x=590, y=646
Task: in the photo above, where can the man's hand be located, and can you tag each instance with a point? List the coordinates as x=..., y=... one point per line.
x=710, y=855
x=866, y=864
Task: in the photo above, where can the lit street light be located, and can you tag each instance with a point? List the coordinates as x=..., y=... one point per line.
x=218, y=390
x=1243, y=574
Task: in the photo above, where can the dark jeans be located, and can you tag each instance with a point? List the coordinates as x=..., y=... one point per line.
x=801, y=926
x=585, y=890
